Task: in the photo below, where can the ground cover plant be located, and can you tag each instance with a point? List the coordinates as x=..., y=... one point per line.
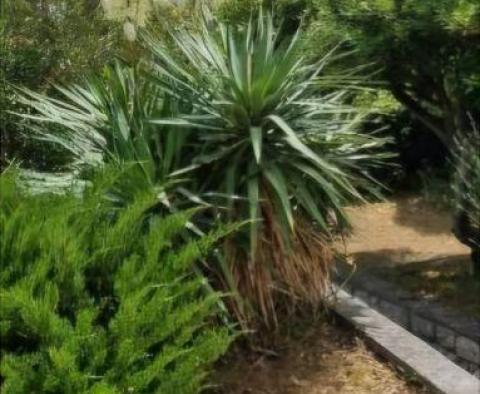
x=97, y=299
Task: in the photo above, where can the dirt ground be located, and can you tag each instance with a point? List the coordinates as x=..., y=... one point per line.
x=400, y=231
x=327, y=360
x=409, y=242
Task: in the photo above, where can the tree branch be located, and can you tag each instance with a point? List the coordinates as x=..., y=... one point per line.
x=420, y=113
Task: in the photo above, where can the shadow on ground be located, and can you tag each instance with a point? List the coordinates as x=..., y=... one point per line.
x=416, y=213
x=447, y=280
x=383, y=257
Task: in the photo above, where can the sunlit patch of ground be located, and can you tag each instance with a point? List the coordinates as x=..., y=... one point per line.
x=400, y=231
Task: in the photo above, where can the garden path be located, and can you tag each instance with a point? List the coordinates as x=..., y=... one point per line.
x=403, y=230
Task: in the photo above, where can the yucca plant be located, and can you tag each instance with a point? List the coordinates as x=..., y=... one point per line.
x=466, y=189
x=275, y=144
x=103, y=121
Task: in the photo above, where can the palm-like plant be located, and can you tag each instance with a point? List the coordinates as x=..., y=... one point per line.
x=269, y=134
x=103, y=121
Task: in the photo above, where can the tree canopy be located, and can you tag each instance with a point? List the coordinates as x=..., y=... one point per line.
x=428, y=52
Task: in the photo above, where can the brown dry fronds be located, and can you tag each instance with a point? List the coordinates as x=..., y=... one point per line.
x=282, y=278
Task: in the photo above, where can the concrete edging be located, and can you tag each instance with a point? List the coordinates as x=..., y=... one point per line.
x=455, y=335
x=397, y=344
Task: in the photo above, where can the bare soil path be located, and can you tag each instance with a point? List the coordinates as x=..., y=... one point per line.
x=401, y=231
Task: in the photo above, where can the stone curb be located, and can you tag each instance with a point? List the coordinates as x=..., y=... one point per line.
x=455, y=335
x=400, y=346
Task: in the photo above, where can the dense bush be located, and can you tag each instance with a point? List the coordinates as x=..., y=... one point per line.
x=95, y=299
x=428, y=52
x=45, y=41
x=288, y=12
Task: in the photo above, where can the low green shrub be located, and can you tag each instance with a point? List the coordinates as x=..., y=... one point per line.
x=100, y=299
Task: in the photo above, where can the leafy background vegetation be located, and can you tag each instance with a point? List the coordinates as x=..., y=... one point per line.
x=277, y=119
x=45, y=42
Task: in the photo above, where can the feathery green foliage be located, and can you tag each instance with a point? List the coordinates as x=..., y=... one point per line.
x=99, y=300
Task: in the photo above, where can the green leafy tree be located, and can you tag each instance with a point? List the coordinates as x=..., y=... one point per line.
x=428, y=52
x=44, y=41
x=96, y=299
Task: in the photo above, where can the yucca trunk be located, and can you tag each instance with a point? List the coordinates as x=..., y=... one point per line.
x=283, y=276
